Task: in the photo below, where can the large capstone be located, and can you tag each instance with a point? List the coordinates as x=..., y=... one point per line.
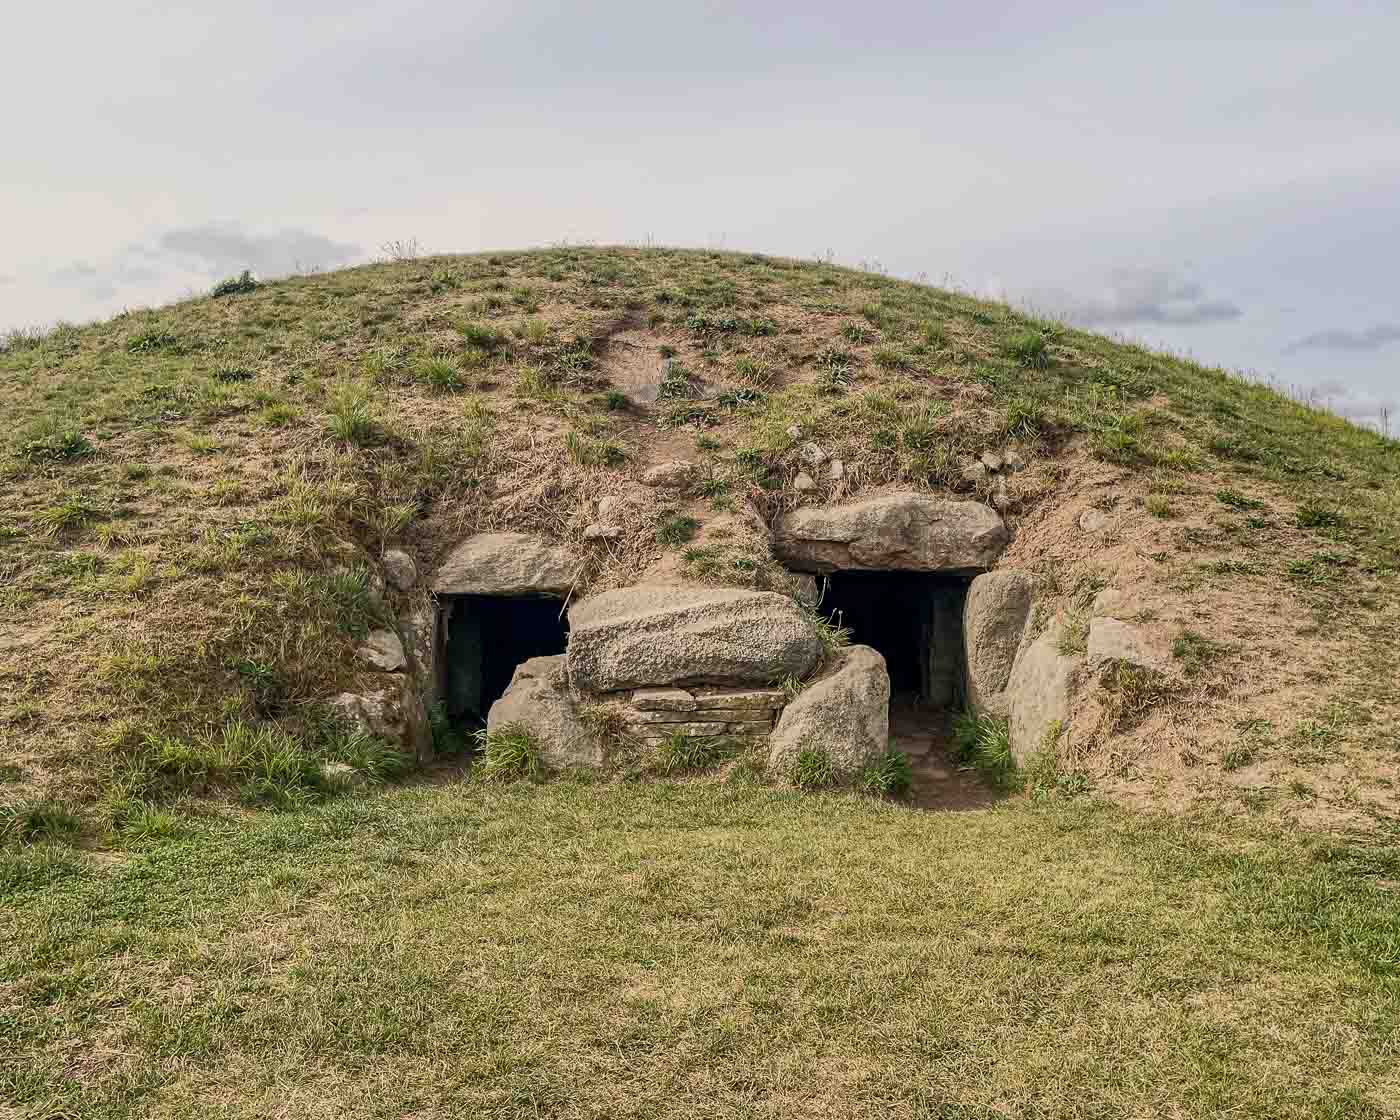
x=994, y=622
x=538, y=699
x=661, y=635
x=846, y=713
x=895, y=532
x=507, y=564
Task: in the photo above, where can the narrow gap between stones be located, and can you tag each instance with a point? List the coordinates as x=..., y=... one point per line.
x=487, y=638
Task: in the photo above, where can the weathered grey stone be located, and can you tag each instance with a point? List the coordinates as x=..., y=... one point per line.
x=975, y=472
x=538, y=698
x=384, y=651
x=812, y=454
x=660, y=635
x=662, y=719
x=991, y=460
x=656, y=732
x=343, y=774
x=1092, y=520
x=994, y=621
x=600, y=532
x=769, y=699
x=507, y=564
x=836, y=471
x=399, y=569
x=1112, y=639
x=804, y=482
x=1111, y=602
x=895, y=532
x=676, y=473
x=419, y=626
x=1039, y=691
x=663, y=700
x=845, y=713
x=394, y=713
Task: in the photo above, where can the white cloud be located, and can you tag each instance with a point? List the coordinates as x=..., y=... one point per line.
x=1338, y=338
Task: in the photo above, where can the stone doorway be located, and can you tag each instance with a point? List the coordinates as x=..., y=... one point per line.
x=486, y=637
x=914, y=619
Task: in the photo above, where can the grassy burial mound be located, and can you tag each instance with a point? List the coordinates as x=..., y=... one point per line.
x=210, y=507
x=688, y=529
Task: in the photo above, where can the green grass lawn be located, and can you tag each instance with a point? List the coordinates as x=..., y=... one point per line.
x=699, y=949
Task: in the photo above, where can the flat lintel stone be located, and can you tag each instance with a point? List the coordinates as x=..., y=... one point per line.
x=663, y=700
x=894, y=532
x=508, y=564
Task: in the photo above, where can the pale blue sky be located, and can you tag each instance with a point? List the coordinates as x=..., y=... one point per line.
x=1222, y=180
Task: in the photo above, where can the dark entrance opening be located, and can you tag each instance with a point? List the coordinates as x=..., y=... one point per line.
x=915, y=620
x=487, y=637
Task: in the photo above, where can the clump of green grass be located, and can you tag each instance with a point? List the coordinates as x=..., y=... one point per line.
x=587, y=451
x=233, y=375
x=752, y=371
x=353, y=418
x=483, y=337
x=508, y=754
x=835, y=370
x=1074, y=635
x=857, y=333
x=351, y=596
x=616, y=401
x=675, y=384
x=1025, y=419
x=1031, y=349
x=444, y=280
x=889, y=776
x=68, y=516
x=984, y=743
x=812, y=770
x=1159, y=505
x=1315, y=517
x=689, y=754
x=262, y=762
x=1235, y=500
x=50, y=440
x=886, y=357
x=238, y=285
x=441, y=375
x=834, y=636
x=676, y=529
x=153, y=338
x=37, y=821
x=935, y=336
x=372, y=757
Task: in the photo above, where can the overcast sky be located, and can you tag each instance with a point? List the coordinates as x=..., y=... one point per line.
x=1219, y=179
